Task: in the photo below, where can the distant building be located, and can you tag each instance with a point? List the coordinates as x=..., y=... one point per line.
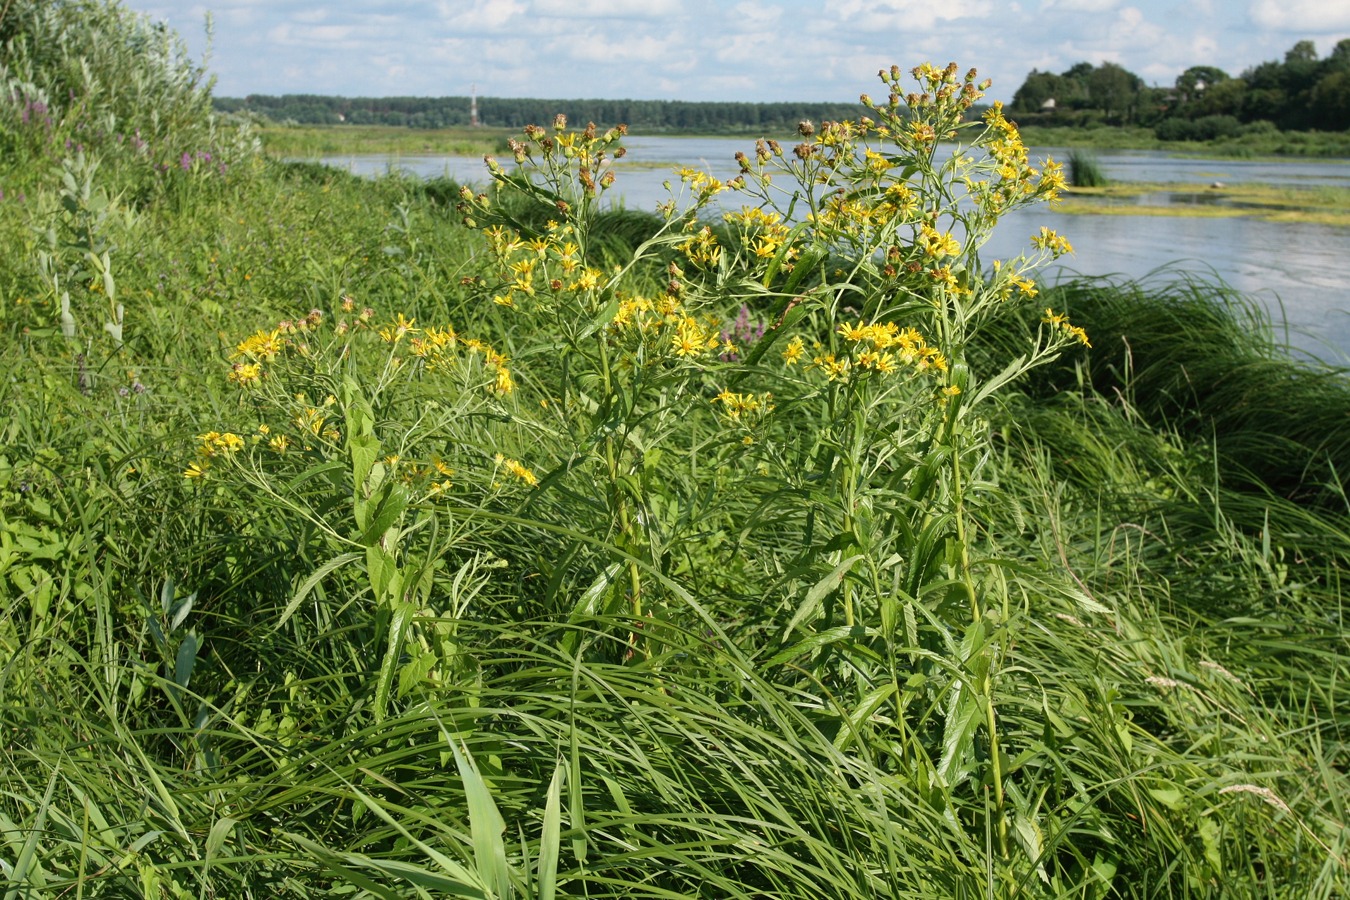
x=1048, y=105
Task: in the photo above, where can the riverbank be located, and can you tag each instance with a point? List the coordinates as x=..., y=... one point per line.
x=309, y=142
x=1320, y=205
x=1170, y=496
x=1257, y=144
x=360, y=536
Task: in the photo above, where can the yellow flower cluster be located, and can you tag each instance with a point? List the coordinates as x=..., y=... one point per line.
x=1015, y=279
x=1015, y=179
x=438, y=348
x=502, y=382
x=516, y=470
x=312, y=421
x=875, y=164
x=641, y=313
x=937, y=244
x=535, y=267
x=211, y=445
x=702, y=249
x=245, y=374
x=702, y=185
x=215, y=443
x=1048, y=239
x=735, y=405
x=694, y=338
x=264, y=346
x=588, y=150
x=882, y=347
x=398, y=329
x=853, y=215
x=764, y=231
x=900, y=201
x=261, y=345
x=1061, y=321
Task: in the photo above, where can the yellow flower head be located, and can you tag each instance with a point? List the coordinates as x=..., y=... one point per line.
x=245, y=374
x=262, y=345
x=1048, y=239
x=517, y=470
x=395, y=332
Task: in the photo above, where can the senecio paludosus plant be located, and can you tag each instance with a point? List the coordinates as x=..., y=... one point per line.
x=850, y=433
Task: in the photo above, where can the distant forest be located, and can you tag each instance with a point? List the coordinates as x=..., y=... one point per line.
x=1300, y=93
x=646, y=116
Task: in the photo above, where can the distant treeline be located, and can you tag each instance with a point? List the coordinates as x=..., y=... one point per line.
x=1300, y=93
x=647, y=116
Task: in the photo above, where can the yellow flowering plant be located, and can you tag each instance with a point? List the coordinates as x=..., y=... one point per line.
x=631, y=348
x=869, y=264
x=854, y=420
x=342, y=421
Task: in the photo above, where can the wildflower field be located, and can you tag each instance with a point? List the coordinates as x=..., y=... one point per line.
x=387, y=538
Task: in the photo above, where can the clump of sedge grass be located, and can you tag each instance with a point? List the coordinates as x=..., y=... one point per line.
x=1085, y=170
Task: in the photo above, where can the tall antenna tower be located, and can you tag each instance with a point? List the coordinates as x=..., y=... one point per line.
x=473, y=106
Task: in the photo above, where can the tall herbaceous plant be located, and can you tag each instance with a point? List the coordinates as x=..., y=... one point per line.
x=849, y=443
x=816, y=481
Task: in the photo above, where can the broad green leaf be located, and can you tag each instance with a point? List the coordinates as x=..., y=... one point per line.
x=313, y=580
x=550, y=840
x=485, y=824
x=809, y=608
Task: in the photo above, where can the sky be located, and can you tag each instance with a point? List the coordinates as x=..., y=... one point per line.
x=729, y=50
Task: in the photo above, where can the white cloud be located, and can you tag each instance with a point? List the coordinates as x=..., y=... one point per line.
x=754, y=45
x=594, y=46
x=482, y=16
x=718, y=49
x=1203, y=49
x=1131, y=29
x=755, y=16
x=331, y=36
x=606, y=9
x=879, y=16
x=1301, y=16
x=1088, y=6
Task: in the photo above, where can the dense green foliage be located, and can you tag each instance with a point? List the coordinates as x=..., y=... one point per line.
x=1300, y=93
x=646, y=116
x=304, y=593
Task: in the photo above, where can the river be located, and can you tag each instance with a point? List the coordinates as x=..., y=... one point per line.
x=1299, y=272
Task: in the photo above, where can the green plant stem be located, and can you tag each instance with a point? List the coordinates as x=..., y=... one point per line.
x=617, y=502
x=953, y=438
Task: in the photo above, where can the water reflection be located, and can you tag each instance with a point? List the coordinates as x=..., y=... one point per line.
x=1299, y=272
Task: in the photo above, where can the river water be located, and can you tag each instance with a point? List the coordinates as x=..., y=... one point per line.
x=1299, y=272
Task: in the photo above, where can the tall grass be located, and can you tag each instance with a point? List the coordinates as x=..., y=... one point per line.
x=1192, y=355
x=1085, y=171
x=375, y=658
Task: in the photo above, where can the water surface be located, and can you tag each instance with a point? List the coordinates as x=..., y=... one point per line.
x=1299, y=272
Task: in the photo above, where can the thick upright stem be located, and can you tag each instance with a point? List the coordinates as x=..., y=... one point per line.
x=618, y=503
x=967, y=580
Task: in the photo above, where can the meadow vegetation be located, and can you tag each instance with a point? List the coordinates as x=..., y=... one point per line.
x=1327, y=204
x=383, y=538
x=315, y=141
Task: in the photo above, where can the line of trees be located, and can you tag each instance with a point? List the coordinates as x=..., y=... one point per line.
x=1299, y=93
x=648, y=116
